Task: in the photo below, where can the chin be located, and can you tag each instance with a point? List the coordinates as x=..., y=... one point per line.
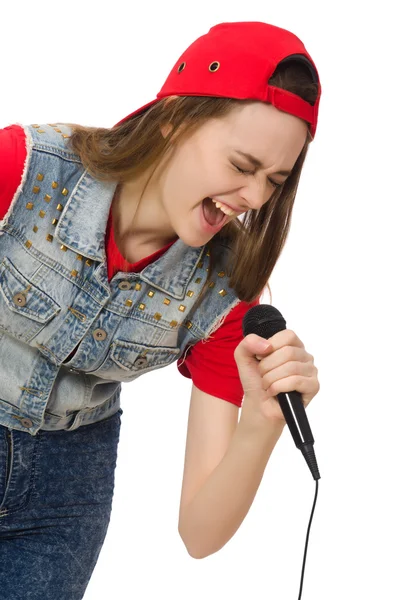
x=195, y=244
x=194, y=240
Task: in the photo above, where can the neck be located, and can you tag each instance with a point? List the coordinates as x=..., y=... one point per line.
x=138, y=221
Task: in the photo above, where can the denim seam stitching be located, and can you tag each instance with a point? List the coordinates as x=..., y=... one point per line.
x=31, y=485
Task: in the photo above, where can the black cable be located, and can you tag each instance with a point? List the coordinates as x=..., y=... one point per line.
x=307, y=539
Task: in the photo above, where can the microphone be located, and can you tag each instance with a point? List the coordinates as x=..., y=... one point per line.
x=265, y=320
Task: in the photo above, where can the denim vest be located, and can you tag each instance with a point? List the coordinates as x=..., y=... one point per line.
x=55, y=297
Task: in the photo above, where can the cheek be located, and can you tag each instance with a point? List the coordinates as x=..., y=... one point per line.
x=207, y=169
x=197, y=172
x=212, y=177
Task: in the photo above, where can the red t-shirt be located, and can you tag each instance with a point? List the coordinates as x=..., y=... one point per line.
x=210, y=365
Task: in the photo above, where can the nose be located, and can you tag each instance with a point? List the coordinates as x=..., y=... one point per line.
x=256, y=193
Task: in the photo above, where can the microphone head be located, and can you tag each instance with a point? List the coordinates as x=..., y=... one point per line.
x=263, y=320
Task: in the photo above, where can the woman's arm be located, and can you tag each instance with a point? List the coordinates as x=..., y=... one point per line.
x=224, y=467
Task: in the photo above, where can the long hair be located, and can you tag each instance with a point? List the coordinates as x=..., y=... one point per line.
x=127, y=150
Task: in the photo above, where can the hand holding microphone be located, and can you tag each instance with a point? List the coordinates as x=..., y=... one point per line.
x=279, y=382
x=284, y=367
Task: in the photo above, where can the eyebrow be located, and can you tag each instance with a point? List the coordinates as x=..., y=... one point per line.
x=257, y=163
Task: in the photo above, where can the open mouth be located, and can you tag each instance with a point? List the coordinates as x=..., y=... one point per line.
x=214, y=216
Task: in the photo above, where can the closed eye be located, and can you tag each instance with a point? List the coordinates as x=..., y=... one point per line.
x=246, y=172
x=275, y=184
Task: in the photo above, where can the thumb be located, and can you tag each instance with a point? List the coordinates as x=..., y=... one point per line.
x=245, y=355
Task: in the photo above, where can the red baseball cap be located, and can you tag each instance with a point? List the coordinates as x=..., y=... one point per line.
x=236, y=60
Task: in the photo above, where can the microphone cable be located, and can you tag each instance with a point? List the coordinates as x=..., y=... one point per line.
x=307, y=539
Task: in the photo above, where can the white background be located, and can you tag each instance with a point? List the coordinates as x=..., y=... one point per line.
x=93, y=63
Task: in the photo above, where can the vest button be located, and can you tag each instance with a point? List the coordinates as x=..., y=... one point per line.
x=19, y=300
x=125, y=285
x=26, y=422
x=100, y=335
x=140, y=361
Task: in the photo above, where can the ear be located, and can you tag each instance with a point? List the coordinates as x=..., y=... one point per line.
x=166, y=129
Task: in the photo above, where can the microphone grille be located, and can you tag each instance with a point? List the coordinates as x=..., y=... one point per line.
x=263, y=320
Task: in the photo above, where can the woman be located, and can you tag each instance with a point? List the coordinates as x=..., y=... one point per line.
x=121, y=252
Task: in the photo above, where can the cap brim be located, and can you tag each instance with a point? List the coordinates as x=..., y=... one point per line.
x=137, y=112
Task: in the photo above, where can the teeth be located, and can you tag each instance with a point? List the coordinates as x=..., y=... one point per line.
x=225, y=209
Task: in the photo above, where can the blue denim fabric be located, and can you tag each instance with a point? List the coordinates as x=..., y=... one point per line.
x=55, y=297
x=56, y=491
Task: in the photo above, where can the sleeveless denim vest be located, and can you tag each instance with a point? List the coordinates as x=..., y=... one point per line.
x=55, y=297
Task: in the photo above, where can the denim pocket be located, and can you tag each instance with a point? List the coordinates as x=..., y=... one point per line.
x=24, y=308
x=128, y=360
x=17, y=469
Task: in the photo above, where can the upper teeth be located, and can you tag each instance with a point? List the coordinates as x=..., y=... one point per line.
x=224, y=208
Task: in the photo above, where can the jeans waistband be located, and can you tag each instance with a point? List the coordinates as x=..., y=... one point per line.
x=53, y=422
x=82, y=417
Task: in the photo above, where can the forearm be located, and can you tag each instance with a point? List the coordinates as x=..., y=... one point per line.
x=218, y=509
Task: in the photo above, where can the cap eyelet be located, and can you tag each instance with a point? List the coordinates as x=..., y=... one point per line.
x=214, y=66
x=181, y=67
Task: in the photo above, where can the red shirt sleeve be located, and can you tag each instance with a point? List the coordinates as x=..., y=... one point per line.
x=211, y=364
x=12, y=160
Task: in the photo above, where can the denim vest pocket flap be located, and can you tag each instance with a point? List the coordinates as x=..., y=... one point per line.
x=30, y=307
x=136, y=357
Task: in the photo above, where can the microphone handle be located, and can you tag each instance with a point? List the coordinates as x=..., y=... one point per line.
x=294, y=413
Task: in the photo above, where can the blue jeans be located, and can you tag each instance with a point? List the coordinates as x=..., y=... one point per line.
x=56, y=491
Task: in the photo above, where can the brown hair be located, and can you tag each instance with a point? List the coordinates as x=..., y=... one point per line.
x=127, y=150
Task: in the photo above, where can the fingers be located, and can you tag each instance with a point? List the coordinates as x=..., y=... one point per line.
x=307, y=386
x=286, y=337
x=287, y=367
x=290, y=373
x=282, y=356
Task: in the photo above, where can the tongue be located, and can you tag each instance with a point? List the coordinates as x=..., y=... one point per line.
x=212, y=215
